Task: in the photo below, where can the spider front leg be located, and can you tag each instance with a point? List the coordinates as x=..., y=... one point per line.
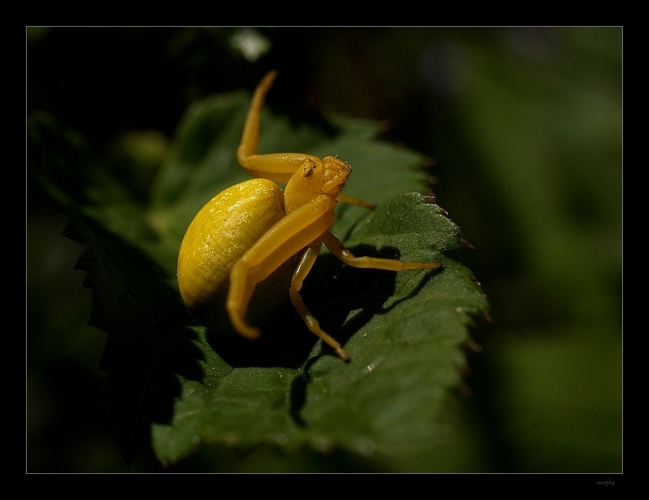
x=286, y=238
x=277, y=167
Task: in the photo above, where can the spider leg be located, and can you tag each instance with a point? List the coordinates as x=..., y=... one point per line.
x=306, y=263
x=277, y=167
x=337, y=248
x=280, y=243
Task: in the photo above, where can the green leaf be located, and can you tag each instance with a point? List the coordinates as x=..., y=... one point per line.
x=179, y=386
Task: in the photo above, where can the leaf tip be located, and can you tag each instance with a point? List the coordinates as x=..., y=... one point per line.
x=431, y=199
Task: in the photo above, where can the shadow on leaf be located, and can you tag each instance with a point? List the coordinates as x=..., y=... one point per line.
x=147, y=344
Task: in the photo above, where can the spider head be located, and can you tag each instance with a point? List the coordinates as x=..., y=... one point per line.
x=314, y=178
x=334, y=174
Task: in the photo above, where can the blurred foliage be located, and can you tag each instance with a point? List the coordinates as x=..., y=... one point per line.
x=525, y=128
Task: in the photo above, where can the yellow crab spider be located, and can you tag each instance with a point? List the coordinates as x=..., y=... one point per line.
x=252, y=243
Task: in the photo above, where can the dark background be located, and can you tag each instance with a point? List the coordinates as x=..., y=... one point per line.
x=524, y=126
